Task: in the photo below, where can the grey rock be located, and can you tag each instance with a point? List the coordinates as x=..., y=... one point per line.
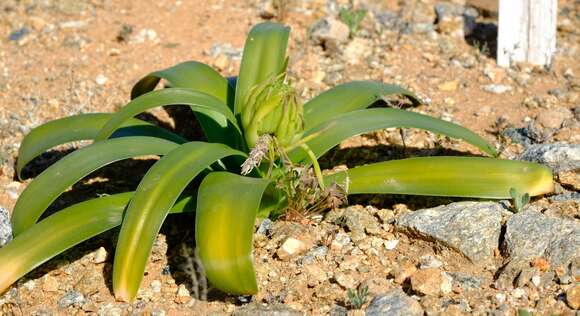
x=338, y=310
x=395, y=302
x=525, y=276
x=558, y=156
x=310, y=256
x=269, y=310
x=547, y=278
x=470, y=16
x=560, y=93
x=428, y=261
x=472, y=228
x=357, y=220
x=71, y=298
x=329, y=32
x=264, y=227
x=567, y=196
x=225, y=49
x=388, y=19
x=110, y=309
x=466, y=281
x=531, y=235
x=445, y=10
x=417, y=28
x=44, y=312
x=496, y=88
x=5, y=227
x=565, y=279
x=509, y=274
x=158, y=312
x=526, y=136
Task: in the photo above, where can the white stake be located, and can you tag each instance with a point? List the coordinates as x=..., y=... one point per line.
x=527, y=32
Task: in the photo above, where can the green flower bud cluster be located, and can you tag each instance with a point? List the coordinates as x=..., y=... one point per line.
x=272, y=108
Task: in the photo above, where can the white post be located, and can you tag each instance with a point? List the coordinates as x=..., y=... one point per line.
x=526, y=31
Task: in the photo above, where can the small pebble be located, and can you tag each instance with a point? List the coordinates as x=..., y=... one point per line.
x=71, y=298
x=536, y=280
x=101, y=79
x=158, y=312
x=427, y=282
x=100, y=255
x=391, y=244
x=156, y=286
x=496, y=88
x=12, y=189
x=29, y=285
x=518, y=292
x=292, y=247
x=345, y=280
x=500, y=298
x=428, y=261
x=182, y=294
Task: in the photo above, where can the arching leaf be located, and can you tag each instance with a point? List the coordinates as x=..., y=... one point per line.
x=350, y=96
x=226, y=211
x=355, y=123
x=64, y=230
x=198, y=101
x=82, y=127
x=43, y=190
x=153, y=198
x=199, y=77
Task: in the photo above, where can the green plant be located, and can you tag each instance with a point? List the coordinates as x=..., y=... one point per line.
x=255, y=125
x=357, y=298
x=352, y=18
x=519, y=200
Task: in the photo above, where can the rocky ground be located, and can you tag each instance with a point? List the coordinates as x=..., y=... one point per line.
x=396, y=255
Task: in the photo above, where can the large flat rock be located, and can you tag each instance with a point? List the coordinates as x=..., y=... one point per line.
x=531, y=235
x=471, y=228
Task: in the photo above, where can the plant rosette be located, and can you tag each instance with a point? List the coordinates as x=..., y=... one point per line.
x=259, y=136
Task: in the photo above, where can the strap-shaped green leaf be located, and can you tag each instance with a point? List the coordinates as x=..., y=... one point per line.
x=199, y=77
x=264, y=56
x=331, y=133
x=43, y=190
x=153, y=198
x=350, y=96
x=82, y=127
x=227, y=205
x=447, y=176
x=192, y=75
x=63, y=230
x=198, y=101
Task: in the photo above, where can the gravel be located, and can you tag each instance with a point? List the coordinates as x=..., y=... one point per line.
x=5, y=227
x=71, y=298
x=266, y=310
